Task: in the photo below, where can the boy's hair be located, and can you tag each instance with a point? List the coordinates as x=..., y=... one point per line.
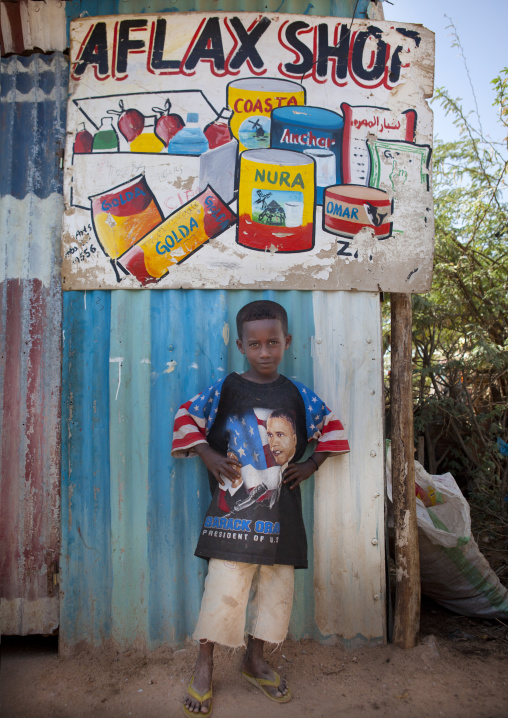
x=286, y=414
x=261, y=309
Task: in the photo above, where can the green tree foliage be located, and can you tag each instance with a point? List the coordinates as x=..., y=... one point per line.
x=460, y=328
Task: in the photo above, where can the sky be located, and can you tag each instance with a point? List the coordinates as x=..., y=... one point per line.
x=481, y=26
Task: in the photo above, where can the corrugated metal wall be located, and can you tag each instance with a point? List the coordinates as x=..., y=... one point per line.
x=33, y=99
x=130, y=515
x=28, y=25
x=339, y=8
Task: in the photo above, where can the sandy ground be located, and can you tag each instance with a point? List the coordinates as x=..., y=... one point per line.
x=460, y=669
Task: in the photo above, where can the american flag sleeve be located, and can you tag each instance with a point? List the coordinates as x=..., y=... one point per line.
x=194, y=420
x=322, y=424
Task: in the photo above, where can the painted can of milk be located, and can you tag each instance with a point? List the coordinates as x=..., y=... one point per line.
x=252, y=100
x=349, y=208
x=316, y=132
x=276, y=201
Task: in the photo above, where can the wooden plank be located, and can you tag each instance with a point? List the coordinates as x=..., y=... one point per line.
x=407, y=562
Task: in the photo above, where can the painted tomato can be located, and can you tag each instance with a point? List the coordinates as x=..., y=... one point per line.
x=349, y=208
x=252, y=100
x=316, y=132
x=276, y=201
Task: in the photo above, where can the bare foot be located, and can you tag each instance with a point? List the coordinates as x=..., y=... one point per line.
x=202, y=682
x=255, y=664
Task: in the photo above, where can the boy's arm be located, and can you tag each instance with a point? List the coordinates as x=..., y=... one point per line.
x=218, y=464
x=193, y=421
x=296, y=473
x=322, y=426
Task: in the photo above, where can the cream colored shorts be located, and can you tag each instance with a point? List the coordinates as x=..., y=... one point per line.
x=225, y=599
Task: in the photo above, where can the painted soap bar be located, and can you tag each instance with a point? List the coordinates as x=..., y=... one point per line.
x=178, y=236
x=123, y=215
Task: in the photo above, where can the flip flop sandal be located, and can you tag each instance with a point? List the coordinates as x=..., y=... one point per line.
x=262, y=682
x=201, y=698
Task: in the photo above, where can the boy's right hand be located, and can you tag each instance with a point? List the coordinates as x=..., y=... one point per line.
x=218, y=464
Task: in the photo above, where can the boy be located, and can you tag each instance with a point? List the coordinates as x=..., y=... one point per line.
x=250, y=429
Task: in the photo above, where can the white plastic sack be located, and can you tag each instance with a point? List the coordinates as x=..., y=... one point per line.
x=452, y=569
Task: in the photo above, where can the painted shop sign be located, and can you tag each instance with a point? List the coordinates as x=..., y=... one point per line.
x=241, y=150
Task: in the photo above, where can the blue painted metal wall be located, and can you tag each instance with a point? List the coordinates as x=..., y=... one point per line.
x=130, y=514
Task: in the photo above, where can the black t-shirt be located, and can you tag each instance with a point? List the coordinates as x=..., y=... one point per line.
x=260, y=520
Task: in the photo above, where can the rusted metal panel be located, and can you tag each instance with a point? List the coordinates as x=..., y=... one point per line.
x=32, y=122
x=27, y=25
x=11, y=30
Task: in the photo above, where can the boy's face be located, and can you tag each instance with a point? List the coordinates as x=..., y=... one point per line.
x=281, y=439
x=263, y=342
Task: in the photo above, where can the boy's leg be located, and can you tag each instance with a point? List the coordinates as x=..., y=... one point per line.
x=221, y=620
x=222, y=615
x=202, y=681
x=269, y=616
x=254, y=663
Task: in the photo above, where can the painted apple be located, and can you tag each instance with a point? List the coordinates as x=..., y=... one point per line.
x=168, y=124
x=131, y=124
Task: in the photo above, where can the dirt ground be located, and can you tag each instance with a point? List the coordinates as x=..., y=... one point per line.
x=460, y=669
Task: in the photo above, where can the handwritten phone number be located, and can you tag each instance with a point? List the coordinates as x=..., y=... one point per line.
x=84, y=254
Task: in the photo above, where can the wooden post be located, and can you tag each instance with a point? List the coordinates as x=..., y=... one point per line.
x=407, y=561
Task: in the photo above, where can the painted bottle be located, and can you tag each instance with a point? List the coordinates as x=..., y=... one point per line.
x=105, y=139
x=217, y=132
x=190, y=140
x=83, y=142
x=147, y=140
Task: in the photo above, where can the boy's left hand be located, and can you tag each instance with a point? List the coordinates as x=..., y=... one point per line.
x=296, y=473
